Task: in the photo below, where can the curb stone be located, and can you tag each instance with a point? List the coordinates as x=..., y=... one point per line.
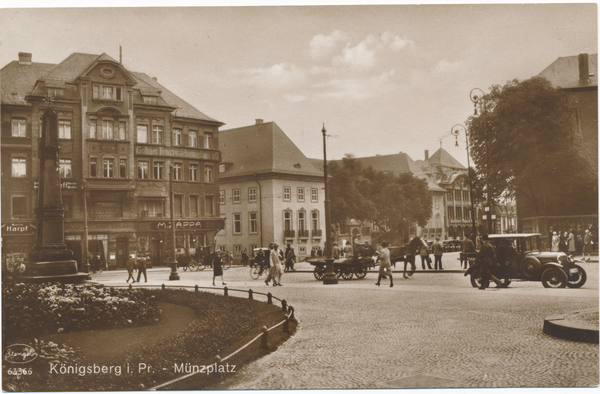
x=579, y=326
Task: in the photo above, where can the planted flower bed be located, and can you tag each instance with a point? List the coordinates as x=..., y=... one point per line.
x=31, y=310
x=222, y=325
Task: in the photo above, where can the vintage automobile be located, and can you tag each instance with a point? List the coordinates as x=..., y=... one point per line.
x=518, y=257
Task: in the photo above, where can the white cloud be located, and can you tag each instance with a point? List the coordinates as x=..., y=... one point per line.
x=357, y=88
x=321, y=45
x=444, y=66
x=280, y=76
x=361, y=56
x=365, y=54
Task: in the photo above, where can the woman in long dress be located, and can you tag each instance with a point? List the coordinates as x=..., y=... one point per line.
x=275, y=266
x=217, y=268
x=555, y=242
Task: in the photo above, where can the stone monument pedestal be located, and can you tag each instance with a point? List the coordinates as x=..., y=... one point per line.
x=50, y=259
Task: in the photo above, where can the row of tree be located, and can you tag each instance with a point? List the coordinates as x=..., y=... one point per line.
x=392, y=202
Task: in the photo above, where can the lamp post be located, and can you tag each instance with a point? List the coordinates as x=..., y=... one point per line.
x=86, y=252
x=174, y=275
x=329, y=278
x=476, y=96
x=455, y=133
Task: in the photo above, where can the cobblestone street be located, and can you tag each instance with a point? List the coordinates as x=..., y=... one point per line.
x=432, y=330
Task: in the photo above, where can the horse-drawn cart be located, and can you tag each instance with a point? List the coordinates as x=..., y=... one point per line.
x=344, y=268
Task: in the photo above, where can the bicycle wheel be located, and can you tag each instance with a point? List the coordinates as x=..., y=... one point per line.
x=255, y=272
x=201, y=265
x=227, y=264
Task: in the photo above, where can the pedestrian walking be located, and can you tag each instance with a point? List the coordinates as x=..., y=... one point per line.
x=290, y=258
x=466, y=247
x=563, y=245
x=571, y=243
x=438, y=251
x=244, y=258
x=268, y=263
x=587, y=245
x=424, y=252
x=385, y=268
x=130, y=268
x=555, y=242
x=142, y=269
x=217, y=264
x=275, y=265
x=485, y=262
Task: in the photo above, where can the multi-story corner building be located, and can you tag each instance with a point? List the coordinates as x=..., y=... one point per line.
x=269, y=192
x=578, y=76
x=129, y=151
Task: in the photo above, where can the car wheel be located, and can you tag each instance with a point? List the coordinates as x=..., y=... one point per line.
x=319, y=273
x=530, y=266
x=475, y=281
x=577, y=280
x=555, y=278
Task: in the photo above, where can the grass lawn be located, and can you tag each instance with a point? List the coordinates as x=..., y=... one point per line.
x=102, y=346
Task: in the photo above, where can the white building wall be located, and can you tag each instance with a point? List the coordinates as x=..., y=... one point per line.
x=273, y=207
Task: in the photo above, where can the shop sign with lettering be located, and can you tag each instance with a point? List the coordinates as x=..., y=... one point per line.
x=177, y=152
x=179, y=225
x=187, y=225
x=63, y=185
x=18, y=228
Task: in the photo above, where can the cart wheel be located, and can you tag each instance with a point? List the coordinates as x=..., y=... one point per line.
x=319, y=273
x=347, y=274
x=200, y=266
x=360, y=273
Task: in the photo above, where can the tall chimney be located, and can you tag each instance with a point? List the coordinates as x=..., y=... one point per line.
x=259, y=121
x=25, y=58
x=426, y=155
x=584, y=68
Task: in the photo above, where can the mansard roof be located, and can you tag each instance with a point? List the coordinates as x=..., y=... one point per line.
x=262, y=148
x=19, y=80
x=564, y=72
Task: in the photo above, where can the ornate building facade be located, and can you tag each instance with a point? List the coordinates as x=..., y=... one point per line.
x=132, y=155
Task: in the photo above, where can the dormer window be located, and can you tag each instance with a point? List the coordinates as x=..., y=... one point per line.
x=108, y=92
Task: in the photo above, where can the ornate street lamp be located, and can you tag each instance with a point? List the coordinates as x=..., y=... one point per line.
x=329, y=278
x=477, y=96
x=455, y=132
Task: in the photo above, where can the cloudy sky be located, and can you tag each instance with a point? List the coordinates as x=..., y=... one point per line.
x=383, y=79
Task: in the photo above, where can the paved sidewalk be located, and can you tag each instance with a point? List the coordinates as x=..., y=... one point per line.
x=427, y=331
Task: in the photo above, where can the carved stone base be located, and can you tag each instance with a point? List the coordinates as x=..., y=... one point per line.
x=52, y=271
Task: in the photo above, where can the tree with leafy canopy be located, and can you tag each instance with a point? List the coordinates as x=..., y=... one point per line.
x=525, y=144
x=387, y=200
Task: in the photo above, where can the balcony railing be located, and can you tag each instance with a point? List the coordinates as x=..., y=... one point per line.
x=289, y=233
x=302, y=233
x=317, y=233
